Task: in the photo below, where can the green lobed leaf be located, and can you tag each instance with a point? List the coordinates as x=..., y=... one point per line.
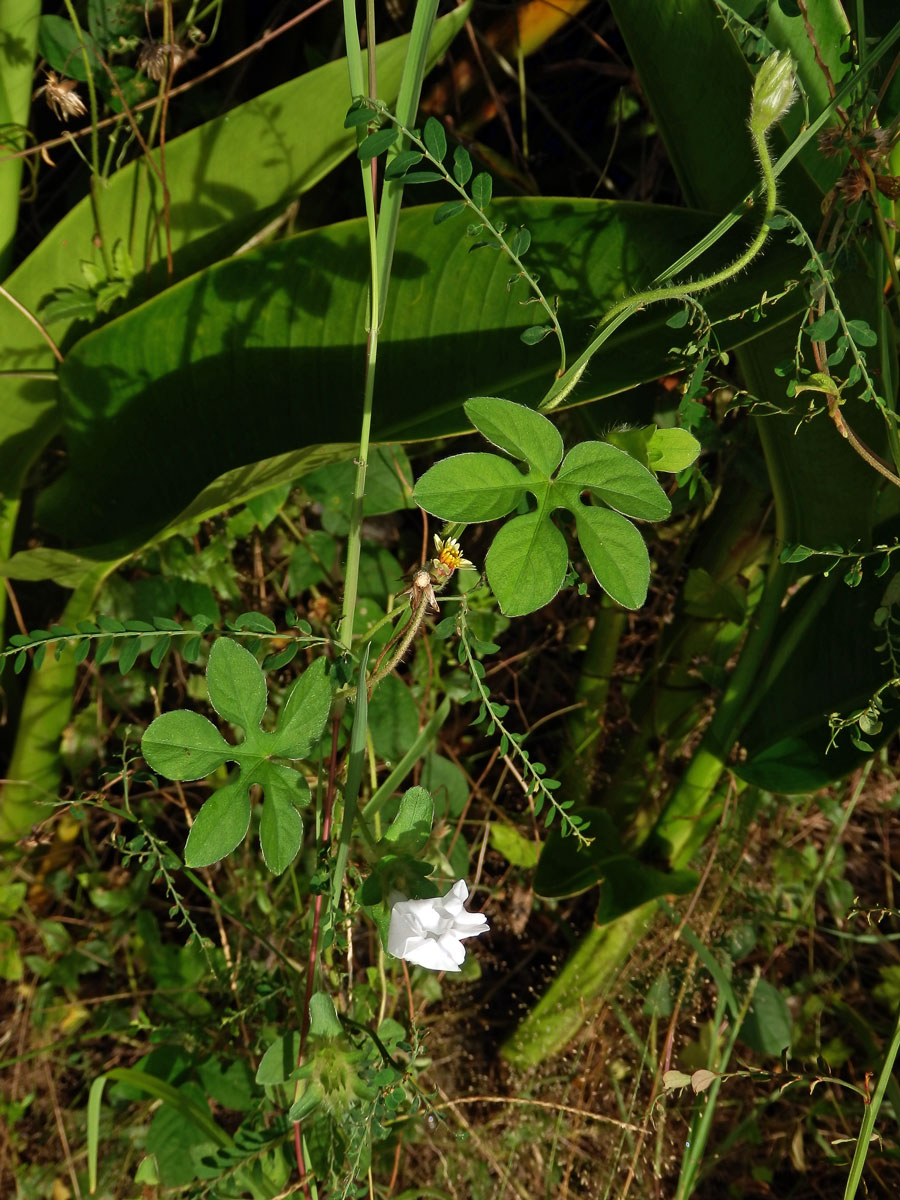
x=184, y=745
x=616, y=553
x=470, y=487
x=526, y=564
x=615, y=478
x=221, y=824
x=281, y=826
x=522, y=432
x=236, y=684
x=304, y=713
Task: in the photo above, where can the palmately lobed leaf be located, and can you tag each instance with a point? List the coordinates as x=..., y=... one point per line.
x=304, y=713
x=613, y=477
x=518, y=430
x=184, y=746
x=236, y=685
x=470, y=487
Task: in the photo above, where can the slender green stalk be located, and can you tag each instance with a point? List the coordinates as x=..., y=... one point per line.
x=96, y=177
x=870, y=1116
x=382, y=238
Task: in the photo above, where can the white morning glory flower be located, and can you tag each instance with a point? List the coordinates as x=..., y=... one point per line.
x=430, y=933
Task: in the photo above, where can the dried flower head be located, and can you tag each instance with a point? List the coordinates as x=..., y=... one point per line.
x=62, y=99
x=449, y=556
x=422, y=589
x=157, y=58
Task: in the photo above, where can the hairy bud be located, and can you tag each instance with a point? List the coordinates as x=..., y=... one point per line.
x=773, y=92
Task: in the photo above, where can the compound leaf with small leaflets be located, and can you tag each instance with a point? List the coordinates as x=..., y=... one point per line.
x=185, y=745
x=602, y=486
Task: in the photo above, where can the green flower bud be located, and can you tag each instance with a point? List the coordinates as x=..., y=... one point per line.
x=773, y=92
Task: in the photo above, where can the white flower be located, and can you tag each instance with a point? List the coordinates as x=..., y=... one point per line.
x=430, y=933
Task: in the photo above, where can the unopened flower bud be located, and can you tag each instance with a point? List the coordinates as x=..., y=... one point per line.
x=773, y=92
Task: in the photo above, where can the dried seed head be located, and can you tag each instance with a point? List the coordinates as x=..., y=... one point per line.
x=62, y=99
x=422, y=589
x=157, y=58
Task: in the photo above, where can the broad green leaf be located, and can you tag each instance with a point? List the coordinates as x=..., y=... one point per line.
x=615, y=478
x=211, y=211
x=237, y=686
x=565, y=869
x=221, y=824
x=304, y=713
x=279, y=1061
x=526, y=563
x=411, y=828
x=58, y=43
x=520, y=431
x=470, y=487
x=281, y=826
x=672, y=449
x=450, y=321
x=768, y=1027
x=516, y=849
x=184, y=745
x=616, y=553
x=393, y=719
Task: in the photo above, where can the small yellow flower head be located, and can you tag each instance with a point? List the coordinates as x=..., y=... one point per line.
x=449, y=555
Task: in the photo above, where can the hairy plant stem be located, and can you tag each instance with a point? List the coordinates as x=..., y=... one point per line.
x=628, y=306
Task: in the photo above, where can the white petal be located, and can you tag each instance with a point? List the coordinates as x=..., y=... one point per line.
x=434, y=955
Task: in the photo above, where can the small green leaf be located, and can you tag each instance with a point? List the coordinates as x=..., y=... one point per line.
x=521, y=431
x=462, y=166
x=613, y=477
x=221, y=824
x=526, y=564
x=304, y=713
x=520, y=242
x=616, y=553
x=535, y=333
x=824, y=328
x=435, y=139
x=862, y=333
x=376, y=143
x=482, y=188
x=672, y=450
x=451, y=209
x=358, y=113
x=401, y=163
x=184, y=745
x=323, y=1018
x=470, y=487
x=411, y=828
x=236, y=684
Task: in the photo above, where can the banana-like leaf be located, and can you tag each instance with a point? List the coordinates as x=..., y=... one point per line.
x=225, y=178
x=264, y=353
